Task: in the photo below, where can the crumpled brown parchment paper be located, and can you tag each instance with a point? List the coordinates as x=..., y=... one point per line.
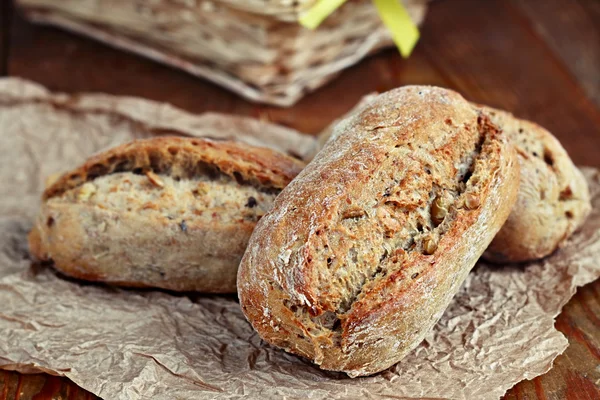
x=149, y=344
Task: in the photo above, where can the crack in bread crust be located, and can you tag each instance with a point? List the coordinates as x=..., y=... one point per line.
x=183, y=158
x=398, y=223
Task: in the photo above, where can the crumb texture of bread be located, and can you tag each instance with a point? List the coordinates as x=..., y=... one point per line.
x=553, y=200
x=198, y=199
x=363, y=251
x=172, y=213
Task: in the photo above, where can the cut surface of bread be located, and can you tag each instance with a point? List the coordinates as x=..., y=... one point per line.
x=199, y=199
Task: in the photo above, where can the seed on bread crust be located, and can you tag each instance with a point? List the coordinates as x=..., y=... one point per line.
x=154, y=179
x=439, y=207
x=471, y=201
x=86, y=191
x=430, y=245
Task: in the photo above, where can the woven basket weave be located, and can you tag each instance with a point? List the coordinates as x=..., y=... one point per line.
x=253, y=47
x=285, y=10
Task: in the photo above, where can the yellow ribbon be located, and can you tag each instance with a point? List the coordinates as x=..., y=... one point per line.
x=312, y=18
x=392, y=12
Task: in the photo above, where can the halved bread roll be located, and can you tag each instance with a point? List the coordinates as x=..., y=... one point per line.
x=173, y=213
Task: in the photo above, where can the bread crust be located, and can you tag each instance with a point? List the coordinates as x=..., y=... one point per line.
x=296, y=286
x=553, y=200
x=96, y=243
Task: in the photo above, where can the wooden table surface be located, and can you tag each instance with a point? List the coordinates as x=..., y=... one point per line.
x=537, y=58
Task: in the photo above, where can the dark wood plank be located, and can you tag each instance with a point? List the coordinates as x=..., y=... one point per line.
x=487, y=53
x=39, y=387
x=577, y=42
x=5, y=25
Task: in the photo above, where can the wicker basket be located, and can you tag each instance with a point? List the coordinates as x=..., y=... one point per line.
x=253, y=47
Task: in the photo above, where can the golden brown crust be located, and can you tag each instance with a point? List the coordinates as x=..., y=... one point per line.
x=553, y=198
x=161, y=246
x=181, y=157
x=363, y=251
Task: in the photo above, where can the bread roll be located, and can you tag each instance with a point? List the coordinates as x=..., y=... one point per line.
x=553, y=199
x=363, y=251
x=172, y=213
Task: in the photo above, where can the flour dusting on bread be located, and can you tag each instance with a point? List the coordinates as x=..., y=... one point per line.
x=365, y=248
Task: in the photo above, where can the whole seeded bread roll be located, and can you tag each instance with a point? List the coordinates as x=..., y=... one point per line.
x=172, y=213
x=553, y=199
x=363, y=251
